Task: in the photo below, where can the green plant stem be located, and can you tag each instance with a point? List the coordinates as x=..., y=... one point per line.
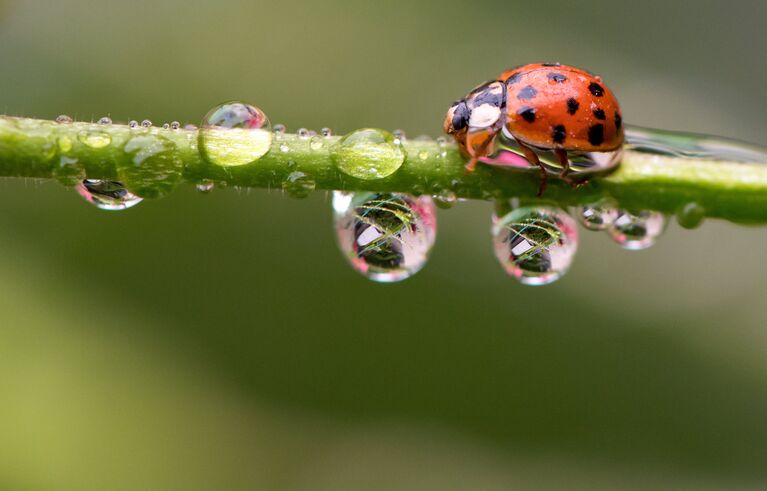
x=729, y=190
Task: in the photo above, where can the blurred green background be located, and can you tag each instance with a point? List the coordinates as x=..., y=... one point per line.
x=221, y=341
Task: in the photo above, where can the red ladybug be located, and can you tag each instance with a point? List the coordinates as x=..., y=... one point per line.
x=543, y=106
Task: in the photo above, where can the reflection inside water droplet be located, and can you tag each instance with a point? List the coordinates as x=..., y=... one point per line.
x=368, y=154
x=298, y=185
x=385, y=236
x=506, y=152
x=599, y=215
x=235, y=134
x=445, y=200
x=205, y=186
x=637, y=231
x=536, y=244
x=107, y=195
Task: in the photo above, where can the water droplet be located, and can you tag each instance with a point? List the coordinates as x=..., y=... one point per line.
x=399, y=135
x=423, y=155
x=691, y=215
x=235, y=134
x=133, y=124
x=599, y=215
x=63, y=118
x=302, y=133
x=64, y=143
x=154, y=169
x=107, y=195
x=316, y=143
x=166, y=126
x=174, y=125
x=445, y=200
x=105, y=120
x=298, y=185
x=386, y=237
x=280, y=128
x=326, y=132
x=205, y=186
x=368, y=154
x=94, y=139
x=146, y=124
x=637, y=231
x=284, y=148
x=69, y=172
x=535, y=244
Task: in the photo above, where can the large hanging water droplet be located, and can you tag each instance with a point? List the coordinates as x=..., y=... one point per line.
x=535, y=244
x=637, y=231
x=599, y=215
x=107, y=195
x=369, y=154
x=298, y=185
x=94, y=139
x=385, y=236
x=235, y=134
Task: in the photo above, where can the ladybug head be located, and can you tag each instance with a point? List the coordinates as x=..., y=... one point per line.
x=480, y=110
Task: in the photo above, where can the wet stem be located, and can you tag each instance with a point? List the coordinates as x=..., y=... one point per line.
x=39, y=148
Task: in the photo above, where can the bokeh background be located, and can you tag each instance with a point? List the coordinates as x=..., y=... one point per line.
x=221, y=342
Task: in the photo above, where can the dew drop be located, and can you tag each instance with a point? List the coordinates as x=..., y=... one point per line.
x=63, y=119
x=298, y=185
x=107, y=195
x=302, y=133
x=64, y=143
x=105, y=120
x=146, y=124
x=280, y=128
x=166, y=126
x=205, y=186
x=599, y=215
x=637, y=231
x=69, y=172
x=154, y=168
x=368, y=154
x=133, y=124
x=174, y=125
x=284, y=148
x=94, y=139
x=385, y=236
x=235, y=134
x=400, y=135
x=326, y=132
x=537, y=244
x=316, y=143
x=445, y=200
x=690, y=215
x=423, y=155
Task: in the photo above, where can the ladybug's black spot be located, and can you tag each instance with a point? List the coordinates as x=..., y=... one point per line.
x=551, y=64
x=527, y=92
x=597, y=134
x=572, y=106
x=596, y=89
x=556, y=77
x=514, y=78
x=527, y=113
x=460, y=116
x=558, y=133
x=618, y=121
x=599, y=114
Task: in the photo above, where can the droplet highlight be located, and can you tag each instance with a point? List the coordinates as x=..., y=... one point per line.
x=385, y=236
x=234, y=134
x=94, y=139
x=599, y=215
x=536, y=245
x=107, y=195
x=298, y=185
x=368, y=154
x=637, y=231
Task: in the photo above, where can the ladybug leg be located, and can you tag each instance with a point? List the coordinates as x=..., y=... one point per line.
x=532, y=157
x=565, y=163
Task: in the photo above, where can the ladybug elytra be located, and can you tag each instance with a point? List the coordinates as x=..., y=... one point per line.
x=543, y=107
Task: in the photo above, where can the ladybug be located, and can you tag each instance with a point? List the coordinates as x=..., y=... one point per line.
x=544, y=107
